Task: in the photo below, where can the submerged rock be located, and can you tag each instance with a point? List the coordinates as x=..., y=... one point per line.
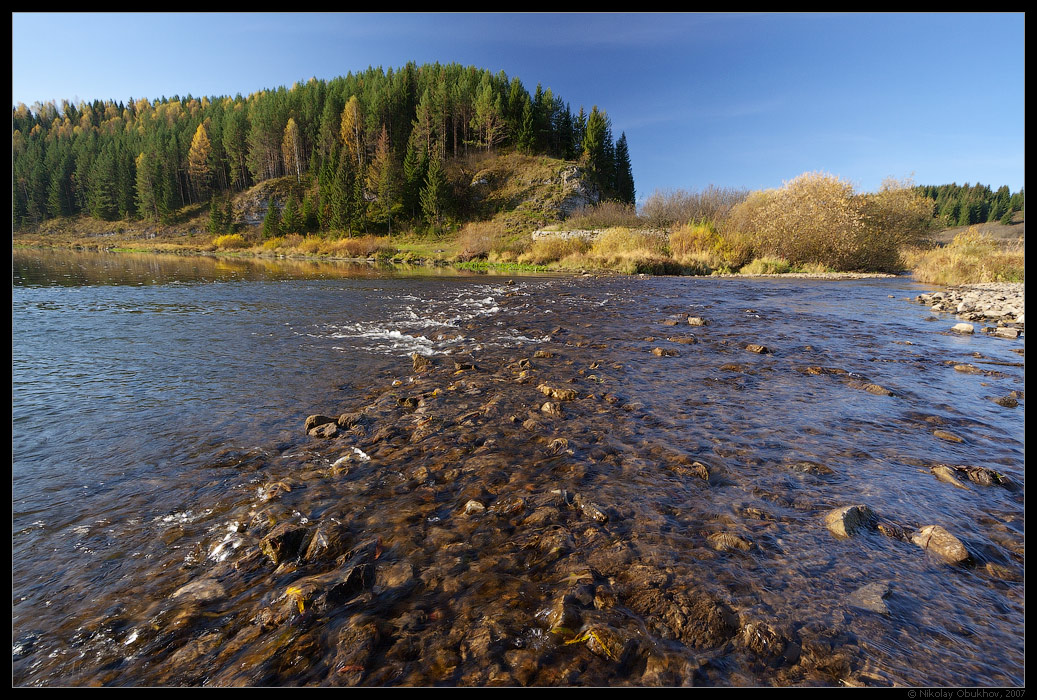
x=420, y=363
x=937, y=540
x=560, y=394
x=200, y=591
x=871, y=597
x=948, y=436
x=947, y=475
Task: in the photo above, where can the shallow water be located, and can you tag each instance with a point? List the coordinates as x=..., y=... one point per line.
x=663, y=526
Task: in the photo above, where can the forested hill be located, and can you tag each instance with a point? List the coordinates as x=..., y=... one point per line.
x=367, y=150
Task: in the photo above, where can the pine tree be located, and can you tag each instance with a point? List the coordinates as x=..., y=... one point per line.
x=309, y=213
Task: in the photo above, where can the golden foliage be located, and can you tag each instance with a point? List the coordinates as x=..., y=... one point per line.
x=818, y=218
x=230, y=241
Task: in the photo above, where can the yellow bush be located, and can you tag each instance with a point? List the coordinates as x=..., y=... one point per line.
x=704, y=245
x=231, y=241
x=692, y=238
x=817, y=218
x=273, y=243
x=767, y=265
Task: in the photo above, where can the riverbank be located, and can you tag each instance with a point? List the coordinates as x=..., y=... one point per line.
x=1000, y=303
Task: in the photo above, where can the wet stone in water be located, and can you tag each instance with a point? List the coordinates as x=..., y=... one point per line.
x=943, y=544
x=847, y=521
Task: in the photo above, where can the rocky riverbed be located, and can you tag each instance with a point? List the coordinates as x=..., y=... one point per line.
x=653, y=484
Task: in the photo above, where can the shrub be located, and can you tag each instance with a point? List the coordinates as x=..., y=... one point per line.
x=360, y=247
x=477, y=239
x=606, y=214
x=621, y=241
x=230, y=241
x=702, y=244
x=668, y=208
x=817, y=218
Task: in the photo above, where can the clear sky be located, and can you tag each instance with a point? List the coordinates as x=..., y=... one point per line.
x=733, y=100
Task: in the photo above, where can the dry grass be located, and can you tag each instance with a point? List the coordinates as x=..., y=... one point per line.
x=970, y=258
x=477, y=239
x=552, y=249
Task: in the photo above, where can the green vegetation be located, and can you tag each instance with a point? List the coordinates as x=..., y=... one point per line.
x=373, y=152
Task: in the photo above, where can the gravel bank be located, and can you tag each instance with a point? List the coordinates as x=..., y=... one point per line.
x=1001, y=303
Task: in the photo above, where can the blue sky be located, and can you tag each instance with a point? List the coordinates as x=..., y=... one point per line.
x=733, y=100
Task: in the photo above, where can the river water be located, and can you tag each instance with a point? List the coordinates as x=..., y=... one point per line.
x=581, y=488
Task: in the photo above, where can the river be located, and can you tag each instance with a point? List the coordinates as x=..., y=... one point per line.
x=580, y=488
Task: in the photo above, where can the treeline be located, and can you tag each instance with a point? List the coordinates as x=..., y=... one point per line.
x=965, y=205
x=367, y=149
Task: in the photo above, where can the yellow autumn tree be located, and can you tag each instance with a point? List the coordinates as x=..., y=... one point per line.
x=198, y=162
x=291, y=150
x=352, y=132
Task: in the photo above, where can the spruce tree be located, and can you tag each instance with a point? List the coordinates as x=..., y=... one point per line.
x=291, y=221
x=228, y=216
x=272, y=221
x=433, y=194
x=216, y=224
x=624, y=174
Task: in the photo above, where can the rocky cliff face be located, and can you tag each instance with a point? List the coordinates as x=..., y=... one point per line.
x=536, y=188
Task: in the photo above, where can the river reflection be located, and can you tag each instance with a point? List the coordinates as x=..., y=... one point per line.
x=581, y=489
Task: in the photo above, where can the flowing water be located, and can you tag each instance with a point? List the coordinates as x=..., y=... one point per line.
x=581, y=488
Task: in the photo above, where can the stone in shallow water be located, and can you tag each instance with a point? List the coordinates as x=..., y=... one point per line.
x=871, y=597
x=317, y=420
x=966, y=328
x=948, y=436
x=847, y=521
x=937, y=540
x=201, y=591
